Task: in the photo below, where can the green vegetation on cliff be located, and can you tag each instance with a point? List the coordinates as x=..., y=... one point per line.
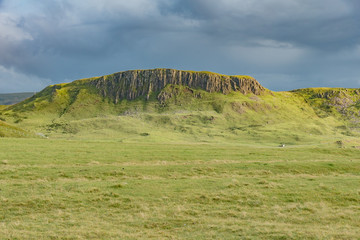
x=341, y=102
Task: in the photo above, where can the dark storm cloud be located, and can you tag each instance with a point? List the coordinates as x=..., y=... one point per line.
x=284, y=43
x=319, y=24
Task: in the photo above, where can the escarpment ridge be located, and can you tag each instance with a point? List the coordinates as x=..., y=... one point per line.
x=135, y=83
x=186, y=102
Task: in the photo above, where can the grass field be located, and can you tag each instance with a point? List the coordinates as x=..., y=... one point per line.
x=107, y=189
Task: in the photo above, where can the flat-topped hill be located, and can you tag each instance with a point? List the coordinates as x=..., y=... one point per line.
x=174, y=105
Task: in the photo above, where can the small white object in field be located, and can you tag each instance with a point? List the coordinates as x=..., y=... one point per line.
x=41, y=135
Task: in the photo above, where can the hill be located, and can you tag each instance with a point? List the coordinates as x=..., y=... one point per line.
x=12, y=98
x=341, y=102
x=173, y=105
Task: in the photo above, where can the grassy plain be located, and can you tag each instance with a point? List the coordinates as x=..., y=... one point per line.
x=111, y=189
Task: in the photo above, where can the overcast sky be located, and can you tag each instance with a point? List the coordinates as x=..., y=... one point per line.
x=284, y=44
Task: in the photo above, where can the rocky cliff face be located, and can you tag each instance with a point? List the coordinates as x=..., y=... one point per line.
x=132, y=84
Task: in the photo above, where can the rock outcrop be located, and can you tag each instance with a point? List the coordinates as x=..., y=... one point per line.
x=132, y=84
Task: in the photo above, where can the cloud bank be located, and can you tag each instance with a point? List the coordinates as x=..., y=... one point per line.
x=285, y=44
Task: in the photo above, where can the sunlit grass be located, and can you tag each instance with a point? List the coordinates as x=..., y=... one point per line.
x=106, y=189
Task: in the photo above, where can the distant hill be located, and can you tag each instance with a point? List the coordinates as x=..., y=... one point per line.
x=12, y=98
x=175, y=105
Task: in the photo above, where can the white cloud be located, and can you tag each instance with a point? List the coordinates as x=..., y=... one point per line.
x=10, y=30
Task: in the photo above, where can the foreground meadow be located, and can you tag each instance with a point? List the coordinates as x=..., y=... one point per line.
x=78, y=189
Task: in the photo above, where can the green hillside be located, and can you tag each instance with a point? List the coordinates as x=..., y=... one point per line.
x=7, y=130
x=344, y=103
x=215, y=108
x=12, y=98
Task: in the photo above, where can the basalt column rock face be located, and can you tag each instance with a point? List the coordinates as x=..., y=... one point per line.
x=132, y=84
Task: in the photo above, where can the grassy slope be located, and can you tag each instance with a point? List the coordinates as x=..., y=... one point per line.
x=60, y=189
x=74, y=111
x=7, y=130
x=339, y=102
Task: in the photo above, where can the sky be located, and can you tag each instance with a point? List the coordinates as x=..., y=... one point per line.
x=284, y=44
